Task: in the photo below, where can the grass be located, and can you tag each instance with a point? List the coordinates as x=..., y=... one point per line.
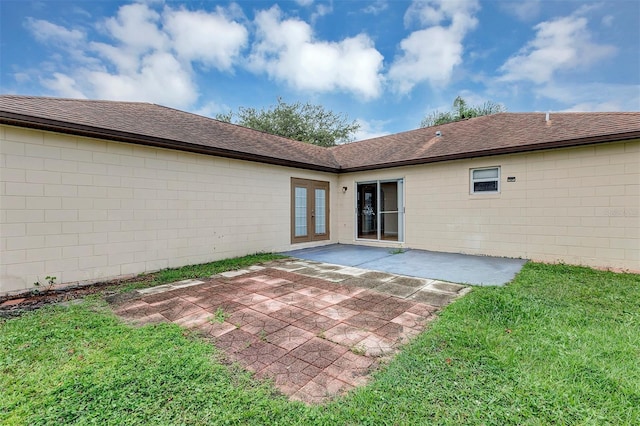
x=559, y=345
x=219, y=316
x=195, y=271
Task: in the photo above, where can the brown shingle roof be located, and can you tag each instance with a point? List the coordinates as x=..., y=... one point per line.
x=155, y=125
x=493, y=134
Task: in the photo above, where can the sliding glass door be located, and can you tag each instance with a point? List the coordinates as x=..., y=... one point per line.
x=380, y=210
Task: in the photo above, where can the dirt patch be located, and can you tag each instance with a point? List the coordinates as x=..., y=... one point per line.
x=16, y=305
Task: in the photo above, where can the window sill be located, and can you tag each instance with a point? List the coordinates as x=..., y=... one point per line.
x=486, y=196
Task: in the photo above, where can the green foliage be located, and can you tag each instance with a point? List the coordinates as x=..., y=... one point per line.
x=461, y=111
x=50, y=281
x=303, y=122
x=81, y=365
x=219, y=316
x=558, y=345
x=358, y=350
x=204, y=270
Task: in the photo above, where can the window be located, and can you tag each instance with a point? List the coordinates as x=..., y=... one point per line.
x=485, y=180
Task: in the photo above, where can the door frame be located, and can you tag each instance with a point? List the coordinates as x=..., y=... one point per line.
x=311, y=186
x=379, y=212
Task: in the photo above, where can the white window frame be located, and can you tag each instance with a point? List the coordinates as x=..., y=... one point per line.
x=472, y=181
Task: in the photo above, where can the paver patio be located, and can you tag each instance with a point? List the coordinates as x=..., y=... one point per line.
x=317, y=330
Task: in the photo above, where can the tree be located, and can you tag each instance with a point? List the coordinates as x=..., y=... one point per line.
x=461, y=111
x=304, y=122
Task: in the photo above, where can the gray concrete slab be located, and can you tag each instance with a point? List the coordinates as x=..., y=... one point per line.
x=451, y=267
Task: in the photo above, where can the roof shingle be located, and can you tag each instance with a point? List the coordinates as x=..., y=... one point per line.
x=488, y=135
x=145, y=122
x=155, y=125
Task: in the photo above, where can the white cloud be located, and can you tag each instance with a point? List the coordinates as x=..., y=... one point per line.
x=144, y=55
x=47, y=32
x=63, y=85
x=526, y=10
x=57, y=37
x=434, y=12
x=77, y=10
x=304, y=2
x=376, y=7
x=122, y=58
x=321, y=10
x=593, y=96
x=370, y=129
x=286, y=50
x=160, y=78
x=431, y=54
x=136, y=28
x=206, y=37
x=210, y=109
x=22, y=77
x=560, y=44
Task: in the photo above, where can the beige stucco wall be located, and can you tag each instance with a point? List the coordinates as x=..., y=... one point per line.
x=575, y=205
x=83, y=209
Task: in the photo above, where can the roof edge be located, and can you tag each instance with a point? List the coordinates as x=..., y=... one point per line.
x=28, y=121
x=567, y=143
x=47, y=124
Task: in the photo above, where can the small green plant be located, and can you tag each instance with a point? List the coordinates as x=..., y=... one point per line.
x=50, y=281
x=219, y=316
x=359, y=350
x=396, y=251
x=263, y=335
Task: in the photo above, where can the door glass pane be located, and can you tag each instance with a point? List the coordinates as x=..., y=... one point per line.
x=300, y=212
x=389, y=196
x=390, y=226
x=367, y=211
x=321, y=211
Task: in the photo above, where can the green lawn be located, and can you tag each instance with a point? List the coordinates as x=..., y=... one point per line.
x=559, y=345
x=197, y=271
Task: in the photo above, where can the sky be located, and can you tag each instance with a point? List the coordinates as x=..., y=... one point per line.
x=385, y=63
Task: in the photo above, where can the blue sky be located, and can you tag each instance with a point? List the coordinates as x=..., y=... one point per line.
x=384, y=63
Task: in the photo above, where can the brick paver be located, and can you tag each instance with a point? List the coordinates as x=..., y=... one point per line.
x=318, y=352
x=290, y=337
x=315, y=330
x=346, y=335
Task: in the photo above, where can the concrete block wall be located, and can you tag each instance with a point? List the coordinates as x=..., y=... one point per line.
x=84, y=209
x=575, y=205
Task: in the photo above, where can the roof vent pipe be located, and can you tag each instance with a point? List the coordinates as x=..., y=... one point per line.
x=438, y=133
x=546, y=118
